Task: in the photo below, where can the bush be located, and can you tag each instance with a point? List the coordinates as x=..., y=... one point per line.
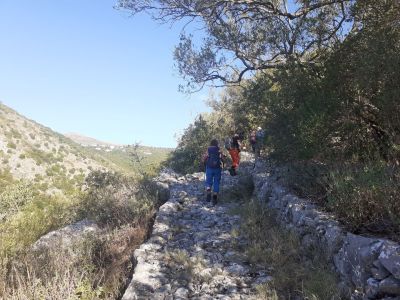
x=39, y=216
x=113, y=199
x=14, y=197
x=297, y=273
x=187, y=157
x=365, y=197
x=11, y=145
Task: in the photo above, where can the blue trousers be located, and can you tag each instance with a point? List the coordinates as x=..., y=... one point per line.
x=213, y=178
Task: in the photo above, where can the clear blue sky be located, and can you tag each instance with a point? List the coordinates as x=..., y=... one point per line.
x=81, y=66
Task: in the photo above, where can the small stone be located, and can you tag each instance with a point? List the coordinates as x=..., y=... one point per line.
x=263, y=279
x=390, y=259
x=390, y=286
x=379, y=273
x=182, y=293
x=237, y=269
x=372, y=288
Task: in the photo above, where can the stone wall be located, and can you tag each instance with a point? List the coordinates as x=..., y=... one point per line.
x=369, y=267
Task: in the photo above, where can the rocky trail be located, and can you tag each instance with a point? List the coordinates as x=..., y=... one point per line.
x=195, y=250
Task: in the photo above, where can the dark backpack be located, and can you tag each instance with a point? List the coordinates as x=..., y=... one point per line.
x=253, y=138
x=214, y=159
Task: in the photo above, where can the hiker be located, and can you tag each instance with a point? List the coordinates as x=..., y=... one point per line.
x=213, y=161
x=260, y=135
x=234, y=150
x=253, y=141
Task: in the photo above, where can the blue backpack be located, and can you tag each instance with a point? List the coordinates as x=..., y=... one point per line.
x=214, y=159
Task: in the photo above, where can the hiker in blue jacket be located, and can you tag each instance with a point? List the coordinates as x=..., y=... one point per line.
x=213, y=161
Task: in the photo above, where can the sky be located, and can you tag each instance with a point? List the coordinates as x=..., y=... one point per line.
x=81, y=66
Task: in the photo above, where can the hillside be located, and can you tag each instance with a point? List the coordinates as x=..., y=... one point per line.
x=31, y=151
x=131, y=159
x=89, y=141
x=44, y=186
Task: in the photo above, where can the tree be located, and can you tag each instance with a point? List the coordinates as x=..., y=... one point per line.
x=243, y=36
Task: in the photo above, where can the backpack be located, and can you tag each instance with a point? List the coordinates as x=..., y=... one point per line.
x=260, y=134
x=253, y=139
x=228, y=144
x=214, y=159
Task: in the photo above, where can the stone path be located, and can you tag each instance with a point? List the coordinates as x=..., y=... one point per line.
x=195, y=251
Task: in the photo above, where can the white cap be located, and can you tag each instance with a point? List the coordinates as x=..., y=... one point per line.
x=259, y=128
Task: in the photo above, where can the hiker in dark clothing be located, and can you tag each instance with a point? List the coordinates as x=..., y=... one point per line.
x=234, y=153
x=253, y=140
x=213, y=161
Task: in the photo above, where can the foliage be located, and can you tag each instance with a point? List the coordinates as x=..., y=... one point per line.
x=39, y=216
x=187, y=157
x=365, y=197
x=113, y=199
x=244, y=36
x=100, y=265
x=325, y=122
x=14, y=197
x=274, y=247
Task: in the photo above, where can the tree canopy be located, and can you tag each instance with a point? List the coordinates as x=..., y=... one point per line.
x=245, y=36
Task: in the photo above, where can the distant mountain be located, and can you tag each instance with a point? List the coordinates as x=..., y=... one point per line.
x=56, y=163
x=88, y=141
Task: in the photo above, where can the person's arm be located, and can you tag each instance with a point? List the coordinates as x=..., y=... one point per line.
x=205, y=157
x=223, y=158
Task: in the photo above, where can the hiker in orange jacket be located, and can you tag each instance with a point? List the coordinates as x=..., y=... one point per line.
x=234, y=151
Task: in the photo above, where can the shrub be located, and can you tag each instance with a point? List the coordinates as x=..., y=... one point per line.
x=297, y=273
x=11, y=145
x=39, y=216
x=365, y=197
x=14, y=197
x=113, y=199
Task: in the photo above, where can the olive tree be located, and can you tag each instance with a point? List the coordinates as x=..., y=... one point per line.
x=245, y=36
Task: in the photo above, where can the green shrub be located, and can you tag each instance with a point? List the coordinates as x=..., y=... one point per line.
x=32, y=136
x=6, y=178
x=14, y=197
x=11, y=145
x=41, y=215
x=22, y=156
x=41, y=157
x=113, y=199
x=365, y=197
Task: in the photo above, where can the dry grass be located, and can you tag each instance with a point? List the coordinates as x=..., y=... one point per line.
x=95, y=268
x=295, y=273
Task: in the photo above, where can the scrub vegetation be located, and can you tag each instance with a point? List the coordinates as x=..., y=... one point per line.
x=46, y=182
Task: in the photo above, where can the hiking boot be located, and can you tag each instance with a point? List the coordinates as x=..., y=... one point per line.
x=208, y=197
x=231, y=171
x=214, y=199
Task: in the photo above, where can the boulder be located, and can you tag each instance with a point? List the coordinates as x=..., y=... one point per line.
x=66, y=236
x=390, y=258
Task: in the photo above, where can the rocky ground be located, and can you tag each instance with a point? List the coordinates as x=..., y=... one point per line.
x=195, y=250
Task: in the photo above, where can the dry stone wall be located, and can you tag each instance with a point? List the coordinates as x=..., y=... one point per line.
x=369, y=267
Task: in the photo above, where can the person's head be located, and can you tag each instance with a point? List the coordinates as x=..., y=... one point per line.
x=259, y=128
x=214, y=142
x=236, y=136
